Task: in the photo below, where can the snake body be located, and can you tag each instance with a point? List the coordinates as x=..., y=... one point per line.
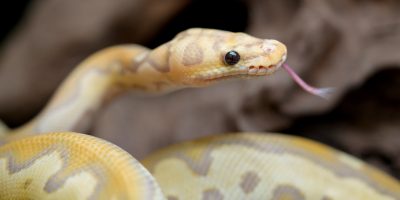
x=40, y=160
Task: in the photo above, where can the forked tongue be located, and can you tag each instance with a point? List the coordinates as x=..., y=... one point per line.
x=321, y=92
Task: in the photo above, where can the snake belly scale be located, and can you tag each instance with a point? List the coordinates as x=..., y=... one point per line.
x=46, y=159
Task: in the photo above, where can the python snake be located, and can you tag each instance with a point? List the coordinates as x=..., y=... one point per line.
x=45, y=159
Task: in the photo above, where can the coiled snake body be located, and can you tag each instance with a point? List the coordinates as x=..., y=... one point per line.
x=37, y=161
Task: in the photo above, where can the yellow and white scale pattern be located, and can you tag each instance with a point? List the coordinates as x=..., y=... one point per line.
x=37, y=164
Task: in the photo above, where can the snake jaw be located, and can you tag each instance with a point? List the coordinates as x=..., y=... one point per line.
x=225, y=73
x=241, y=71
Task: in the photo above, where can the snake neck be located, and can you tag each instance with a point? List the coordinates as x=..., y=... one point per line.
x=95, y=82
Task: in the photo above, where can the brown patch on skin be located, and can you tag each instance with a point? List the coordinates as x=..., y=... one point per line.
x=77, y=89
x=159, y=67
x=76, y=92
x=56, y=180
x=212, y=194
x=159, y=60
x=249, y=181
x=15, y=166
x=27, y=183
x=192, y=55
x=200, y=167
x=287, y=192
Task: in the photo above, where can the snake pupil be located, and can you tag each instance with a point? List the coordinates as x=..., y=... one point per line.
x=232, y=57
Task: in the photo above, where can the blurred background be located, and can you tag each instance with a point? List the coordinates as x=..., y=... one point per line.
x=353, y=45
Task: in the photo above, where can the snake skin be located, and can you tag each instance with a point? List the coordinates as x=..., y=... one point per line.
x=45, y=159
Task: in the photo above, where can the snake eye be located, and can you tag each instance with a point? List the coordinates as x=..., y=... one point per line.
x=232, y=57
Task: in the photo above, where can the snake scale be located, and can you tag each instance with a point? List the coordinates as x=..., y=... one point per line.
x=45, y=159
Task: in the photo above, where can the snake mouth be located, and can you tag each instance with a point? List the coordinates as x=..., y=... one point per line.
x=238, y=72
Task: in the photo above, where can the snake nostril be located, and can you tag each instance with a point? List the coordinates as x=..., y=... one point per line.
x=251, y=67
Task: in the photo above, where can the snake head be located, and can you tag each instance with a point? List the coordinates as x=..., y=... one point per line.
x=199, y=57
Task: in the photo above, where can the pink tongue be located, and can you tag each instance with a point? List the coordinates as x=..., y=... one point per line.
x=321, y=92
